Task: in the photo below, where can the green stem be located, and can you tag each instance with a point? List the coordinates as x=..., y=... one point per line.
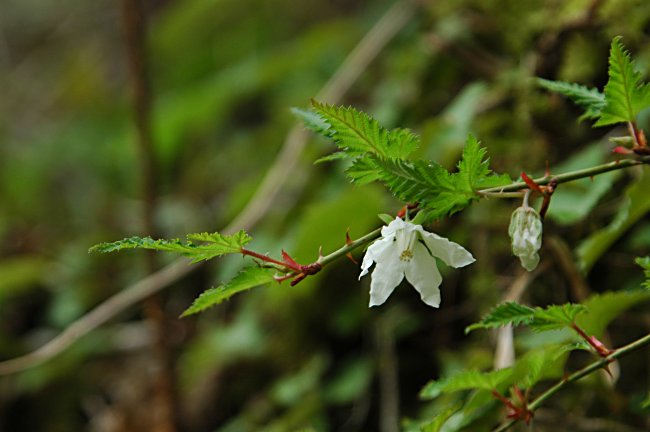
x=501, y=191
x=324, y=260
x=639, y=343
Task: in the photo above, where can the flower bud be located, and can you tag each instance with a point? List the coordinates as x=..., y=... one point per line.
x=526, y=234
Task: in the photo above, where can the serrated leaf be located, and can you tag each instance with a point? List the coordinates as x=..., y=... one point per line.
x=249, y=277
x=437, y=191
x=539, y=319
x=590, y=99
x=363, y=171
x=358, y=134
x=555, y=317
x=504, y=314
x=625, y=94
x=215, y=245
x=312, y=121
x=466, y=380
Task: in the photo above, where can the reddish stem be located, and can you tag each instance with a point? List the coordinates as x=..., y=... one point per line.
x=597, y=345
x=268, y=259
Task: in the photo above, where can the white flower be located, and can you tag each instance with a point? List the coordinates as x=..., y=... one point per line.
x=525, y=230
x=408, y=250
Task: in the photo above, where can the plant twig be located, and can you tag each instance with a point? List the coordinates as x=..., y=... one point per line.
x=357, y=61
x=500, y=191
x=602, y=363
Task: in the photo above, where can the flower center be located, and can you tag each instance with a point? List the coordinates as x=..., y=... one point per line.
x=406, y=255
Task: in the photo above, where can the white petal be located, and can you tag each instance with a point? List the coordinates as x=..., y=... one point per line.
x=423, y=274
x=375, y=253
x=386, y=276
x=392, y=227
x=451, y=253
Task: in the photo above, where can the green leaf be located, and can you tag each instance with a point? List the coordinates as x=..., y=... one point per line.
x=312, y=121
x=466, y=380
x=635, y=206
x=574, y=201
x=555, y=317
x=504, y=314
x=436, y=424
x=602, y=309
x=625, y=94
x=437, y=191
x=248, y=278
x=214, y=245
x=539, y=319
x=590, y=99
x=358, y=134
x=645, y=264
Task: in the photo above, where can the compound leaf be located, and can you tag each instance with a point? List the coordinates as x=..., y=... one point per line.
x=249, y=277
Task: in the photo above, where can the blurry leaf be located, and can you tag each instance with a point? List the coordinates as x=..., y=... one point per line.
x=590, y=99
x=220, y=344
x=604, y=308
x=350, y=383
x=18, y=274
x=440, y=419
x=248, y=278
x=216, y=245
x=290, y=389
x=466, y=380
x=645, y=264
x=636, y=206
x=646, y=403
x=625, y=94
x=538, y=364
x=573, y=201
x=386, y=218
x=312, y=121
x=446, y=133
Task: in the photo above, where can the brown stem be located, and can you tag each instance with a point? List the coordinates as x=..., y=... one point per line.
x=134, y=23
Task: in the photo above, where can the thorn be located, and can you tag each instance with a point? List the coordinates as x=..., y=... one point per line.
x=290, y=261
x=348, y=240
x=320, y=252
x=297, y=279
x=531, y=183
x=280, y=279
x=547, y=172
x=351, y=258
x=402, y=212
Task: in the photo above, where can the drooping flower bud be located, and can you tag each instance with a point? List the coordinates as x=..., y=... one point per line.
x=525, y=231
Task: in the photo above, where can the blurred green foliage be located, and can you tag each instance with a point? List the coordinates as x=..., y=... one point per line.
x=313, y=357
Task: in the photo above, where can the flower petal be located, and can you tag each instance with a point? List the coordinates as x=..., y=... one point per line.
x=376, y=252
x=451, y=253
x=386, y=276
x=422, y=272
x=392, y=227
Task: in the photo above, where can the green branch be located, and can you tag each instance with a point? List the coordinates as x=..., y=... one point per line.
x=323, y=261
x=639, y=343
x=503, y=191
